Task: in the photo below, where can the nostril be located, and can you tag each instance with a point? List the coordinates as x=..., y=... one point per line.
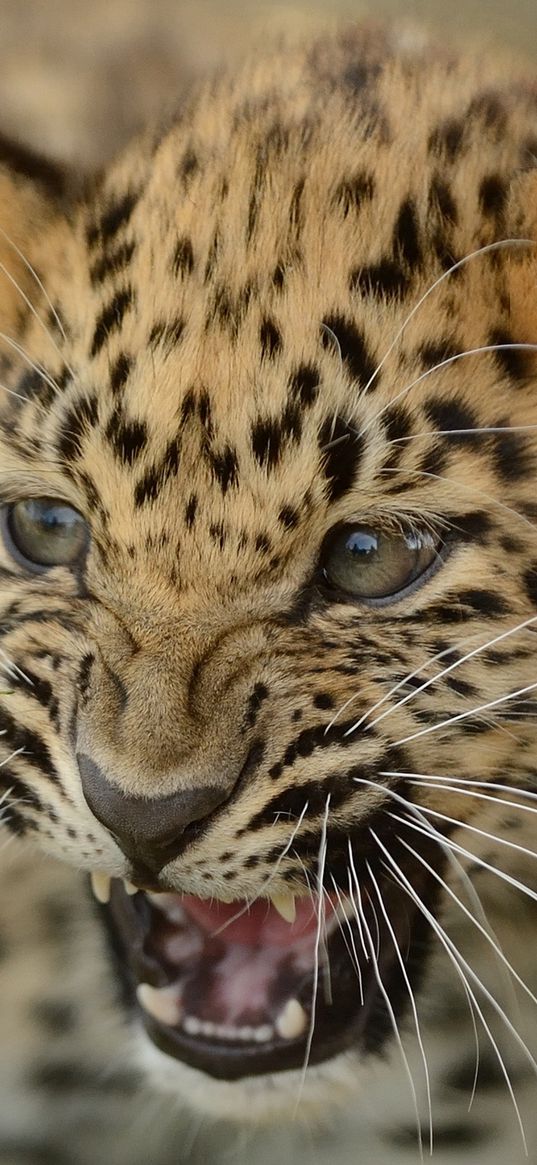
x=148, y=827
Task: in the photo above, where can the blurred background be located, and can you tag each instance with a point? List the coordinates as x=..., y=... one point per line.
x=78, y=76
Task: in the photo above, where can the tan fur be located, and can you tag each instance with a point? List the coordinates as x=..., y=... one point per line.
x=257, y=174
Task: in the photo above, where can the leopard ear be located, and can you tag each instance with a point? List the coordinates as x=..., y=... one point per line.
x=33, y=196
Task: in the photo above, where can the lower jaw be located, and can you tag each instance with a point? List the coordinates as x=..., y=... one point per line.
x=352, y=1015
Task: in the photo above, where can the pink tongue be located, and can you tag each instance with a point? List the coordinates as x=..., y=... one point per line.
x=254, y=926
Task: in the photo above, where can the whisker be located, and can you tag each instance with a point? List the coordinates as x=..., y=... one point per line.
x=420, y=779
x=467, y=489
x=31, y=363
x=444, y=672
x=481, y=350
x=35, y=276
x=349, y=943
x=489, y=247
x=475, y=859
x=270, y=877
x=412, y=1002
x=462, y=432
x=387, y=1000
x=464, y=715
x=455, y=898
x=37, y=317
x=460, y=963
x=481, y=832
x=320, y=923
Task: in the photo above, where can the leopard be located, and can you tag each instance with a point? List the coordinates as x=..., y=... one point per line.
x=268, y=599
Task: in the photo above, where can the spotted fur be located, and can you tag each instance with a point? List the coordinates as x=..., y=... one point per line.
x=247, y=342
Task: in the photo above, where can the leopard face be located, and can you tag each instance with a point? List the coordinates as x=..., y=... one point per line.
x=268, y=563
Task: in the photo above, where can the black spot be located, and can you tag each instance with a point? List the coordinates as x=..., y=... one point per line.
x=530, y=581
x=406, y=241
x=289, y=517
x=396, y=422
x=167, y=334
x=449, y=416
x=116, y=215
x=149, y=486
x=472, y=527
x=486, y=602
x=127, y=438
x=190, y=510
x=448, y=139
x=383, y=280
x=259, y=695
x=341, y=449
x=511, y=361
x=120, y=371
x=183, y=258
x=189, y=165
x=323, y=700
x=493, y=196
x=353, y=192
x=218, y=533
x=263, y=544
x=440, y=194
x=435, y=352
x=304, y=384
x=354, y=351
x=511, y=456
x=445, y=1136
x=225, y=467
x=278, y=275
x=270, y=339
x=266, y=442
x=57, y=1016
x=111, y=318
x=75, y=425
x=111, y=263
x=31, y=383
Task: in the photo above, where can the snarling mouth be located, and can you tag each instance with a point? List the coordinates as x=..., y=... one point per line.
x=241, y=990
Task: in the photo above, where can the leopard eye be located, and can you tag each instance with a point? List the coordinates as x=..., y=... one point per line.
x=374, y=564
x=41, y=533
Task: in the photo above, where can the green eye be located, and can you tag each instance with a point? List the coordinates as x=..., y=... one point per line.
x=41, y=533
x=373, y=564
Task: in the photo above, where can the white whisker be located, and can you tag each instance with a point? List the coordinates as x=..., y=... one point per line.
x=412, y=1002
x=444, y=672
x=387, y=1000
x=468, y=970
x=320, y=924
x=487, y=249
x=464, y=715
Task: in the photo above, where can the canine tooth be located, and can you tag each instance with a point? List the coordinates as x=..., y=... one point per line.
x=292, y=1021
x=129, y=887
x=285, y=905
x=100, y=884
x=160, y=1002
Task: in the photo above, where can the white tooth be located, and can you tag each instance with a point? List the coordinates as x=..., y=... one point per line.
x=245, y=1033
x=292, y=1021
x=264, y=1033
x=100, y=884
x=192, y=1025
x=160, y=1002
x=285, y=905
x=129, y=888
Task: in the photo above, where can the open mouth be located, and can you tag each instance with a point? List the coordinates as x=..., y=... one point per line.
x=239, y=990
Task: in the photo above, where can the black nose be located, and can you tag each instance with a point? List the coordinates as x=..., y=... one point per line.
x=150, y=830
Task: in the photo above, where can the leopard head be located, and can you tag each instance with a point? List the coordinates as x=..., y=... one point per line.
x=268, y=562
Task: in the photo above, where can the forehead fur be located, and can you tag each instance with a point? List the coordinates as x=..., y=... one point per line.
x=232, y=290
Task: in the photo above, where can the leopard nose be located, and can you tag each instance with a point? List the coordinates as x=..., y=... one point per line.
x=149, y=830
